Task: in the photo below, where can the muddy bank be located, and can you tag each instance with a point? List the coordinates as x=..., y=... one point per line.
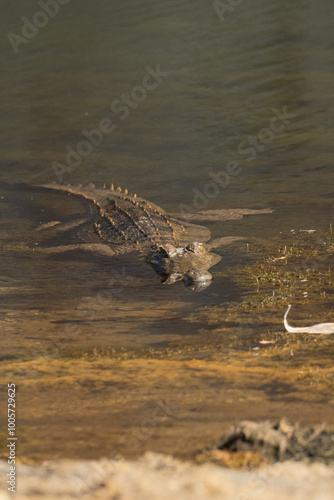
x=156, y=476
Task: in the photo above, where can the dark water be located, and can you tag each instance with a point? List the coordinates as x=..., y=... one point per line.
x=223, y=113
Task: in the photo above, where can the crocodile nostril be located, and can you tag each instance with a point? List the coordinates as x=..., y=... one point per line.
x=197, y=275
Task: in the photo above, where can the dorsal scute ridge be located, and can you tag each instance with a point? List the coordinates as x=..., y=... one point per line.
x=166, y=218
x=134, y=219
x=154, y=223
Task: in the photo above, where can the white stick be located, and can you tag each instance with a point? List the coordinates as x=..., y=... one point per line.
x=320, y=329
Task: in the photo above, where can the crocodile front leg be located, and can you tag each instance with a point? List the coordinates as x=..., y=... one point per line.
x=225, y=240
x=97, y=248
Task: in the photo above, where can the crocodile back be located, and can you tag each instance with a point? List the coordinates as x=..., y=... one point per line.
x=129, y=221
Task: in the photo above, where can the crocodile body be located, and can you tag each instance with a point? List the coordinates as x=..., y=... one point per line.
x=126, y=222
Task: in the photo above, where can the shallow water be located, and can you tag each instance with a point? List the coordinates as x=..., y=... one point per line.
x=255, y=89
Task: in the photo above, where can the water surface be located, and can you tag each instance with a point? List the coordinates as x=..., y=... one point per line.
x=255, y=89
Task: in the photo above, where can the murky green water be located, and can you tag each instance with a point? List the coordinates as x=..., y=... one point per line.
x=215, y=113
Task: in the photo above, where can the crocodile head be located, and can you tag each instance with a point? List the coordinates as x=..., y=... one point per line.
x=190, y=264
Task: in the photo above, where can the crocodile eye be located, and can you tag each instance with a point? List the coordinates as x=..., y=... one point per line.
x=196, y=248
x=191, y=247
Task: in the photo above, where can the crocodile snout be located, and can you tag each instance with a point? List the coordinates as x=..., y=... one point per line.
x=197, y=275
x=197, y=280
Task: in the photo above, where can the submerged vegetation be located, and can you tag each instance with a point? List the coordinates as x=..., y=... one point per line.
x=301, y=270
x=298, y=272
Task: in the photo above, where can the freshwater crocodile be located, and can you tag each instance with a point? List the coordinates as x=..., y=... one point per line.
x=124, y=222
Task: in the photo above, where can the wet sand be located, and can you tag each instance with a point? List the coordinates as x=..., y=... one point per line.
x=106, y=407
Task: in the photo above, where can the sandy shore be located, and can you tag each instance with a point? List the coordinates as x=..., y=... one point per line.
x=161, y=477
